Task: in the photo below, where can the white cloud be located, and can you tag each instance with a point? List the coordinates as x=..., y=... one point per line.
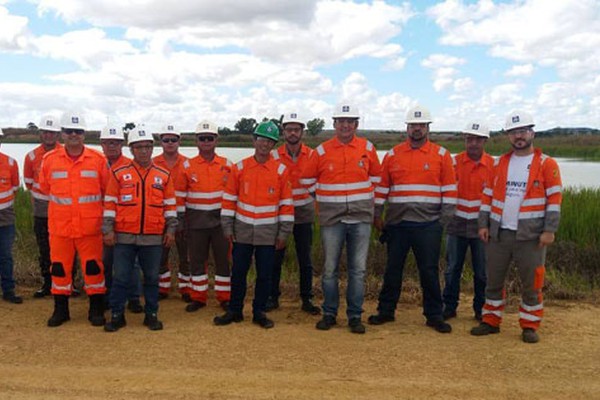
x=444, y=72
x=520, y=70
x=14, y=34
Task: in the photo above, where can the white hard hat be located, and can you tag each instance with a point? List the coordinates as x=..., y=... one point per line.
x=518, y=119
x=293, y=118
x=112, y=132
x=1, y=132
x=169, y=129
x=49, y=123
x=346, y=110
x=139, y=134
x=418, y=115
x=72, y=120
x=207, y=127
x=477, y=128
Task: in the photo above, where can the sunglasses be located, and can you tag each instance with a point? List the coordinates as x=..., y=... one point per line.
x=73, y=131
x=206, y=138
x=169, y=140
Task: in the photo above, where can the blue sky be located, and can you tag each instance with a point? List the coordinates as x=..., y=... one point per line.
x=155, y=62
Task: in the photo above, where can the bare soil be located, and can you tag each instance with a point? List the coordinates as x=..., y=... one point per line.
x=193, y=359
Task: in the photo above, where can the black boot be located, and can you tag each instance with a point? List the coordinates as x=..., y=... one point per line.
x=61, y=311
x=117, y=321
x=45, y=289
x=96, y=311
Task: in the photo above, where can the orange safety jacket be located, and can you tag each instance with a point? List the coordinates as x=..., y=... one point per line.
x=121, y=161
x=75, y=189
x=540, y=209
x=31, y=176
x=418, y=184
x=139, y=201
x=470, y=177
x=200, y=189
x=9, y=183
x=304, y=203
x=345, y=176
x=257, y=202
x=175, y=171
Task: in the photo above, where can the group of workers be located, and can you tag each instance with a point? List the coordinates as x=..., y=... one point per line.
x=121, y=216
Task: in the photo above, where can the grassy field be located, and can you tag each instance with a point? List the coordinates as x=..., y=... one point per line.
x=572, y=262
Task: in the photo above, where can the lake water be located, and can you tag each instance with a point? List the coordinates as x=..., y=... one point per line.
x=575, y=173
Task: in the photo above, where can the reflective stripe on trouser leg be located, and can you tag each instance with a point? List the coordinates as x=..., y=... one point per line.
x=62, y=254
x=199, y=287
x=221, y=249
x=530, y=259
x=164, y=273
x=222, y=288
x=499, y=254
x=89, y=249
x=184, y=284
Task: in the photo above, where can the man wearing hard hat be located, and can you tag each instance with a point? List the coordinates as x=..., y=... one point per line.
x=519, y=216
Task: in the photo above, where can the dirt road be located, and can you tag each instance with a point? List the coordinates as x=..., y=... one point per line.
x=192, y=359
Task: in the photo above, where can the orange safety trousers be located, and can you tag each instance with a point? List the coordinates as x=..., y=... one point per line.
x=62, y=255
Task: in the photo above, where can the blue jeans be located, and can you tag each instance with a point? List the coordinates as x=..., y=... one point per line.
x=125, y=256
x=242, y=258
x=134, y=291
x=7, y=238
x=425, y=242
x=356, y=237
x=303, y=241
x=456, y=250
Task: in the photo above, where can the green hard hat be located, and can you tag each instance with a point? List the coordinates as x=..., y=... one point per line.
x=267, y=129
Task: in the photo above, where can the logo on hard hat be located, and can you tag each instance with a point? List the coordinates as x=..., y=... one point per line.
x=475, y=127
x=48, y=123
x=170, y=127
x=112, y=131
x=417, y=114
x=142, y=133
x=294, y=116
x=269, y=129
x=75, y=120
x=345, y=108
x=205, y=126
x=515, y=119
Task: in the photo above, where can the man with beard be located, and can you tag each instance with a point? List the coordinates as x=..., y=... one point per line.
x=294, y=155
x=419, y=186
x=519, y=216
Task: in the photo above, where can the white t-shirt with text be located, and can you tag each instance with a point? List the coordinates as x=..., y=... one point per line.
x=516, y=185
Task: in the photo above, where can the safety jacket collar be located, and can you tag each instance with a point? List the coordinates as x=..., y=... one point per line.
x=425, y=148
x=201, y=160
x=353, y=143
x=160, y=159
x=252, y=163
x=42, y=150
x=304, y=150
x=466, y=159
x=87, y=152
x=140, y=168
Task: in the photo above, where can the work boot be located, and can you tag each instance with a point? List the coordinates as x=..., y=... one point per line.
x=356, y=326
x=309, y=307
x=380, y=319
x=194, y=306
x=448, y=314
x=45, y=289
x=11, y=297
x=96, y=311
x=529, y=335
x=135, y=307
x=439, y=325
x=326, y=323
x=272, y=304
x=117, y=321
x=225, y=305
x=484, y=329
x=61, y=311
x=186, y=297
x=228, y=318
x=152, y=322
x=262, y=321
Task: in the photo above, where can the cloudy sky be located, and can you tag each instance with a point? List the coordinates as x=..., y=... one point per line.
x=157, y=61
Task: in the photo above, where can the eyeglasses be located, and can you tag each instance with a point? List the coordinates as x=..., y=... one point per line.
x=147, y=147
x=170, y=140
x=519, y=131
x=73, y=131
x=206, y=138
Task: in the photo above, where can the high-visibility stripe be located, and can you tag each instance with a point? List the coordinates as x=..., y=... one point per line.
x=220, y=278
x=344, y=199
x=28, y=180
x=256, y=209
x=200, y=288
x=6, y=205
x=382, y=190
x=229, y=197
x=448, y=200
x=486, y=208
x=90, y=199
x=540, y=201
x=303, y=202
x=420, y=188
x=449, y=188
x=298, y=192
x=199, y=278
x=201, y=207
x=497, y=203
x=286, y=218
x=280, y=169
x=344, y=186
x=109, y=214
x=553, y=207
x=58, y=287
x=494, y=303
x=320, y=149
x=529, y=317
x=537, y=307
x=205, y=195
x=375, y=179
x=414, y=199
x=39, y=196
x=110, y=199
x=181, y=209
x=165, y=275
x=554, y=189
x=468, y=203
x=169, y=202
x=488, y=192
x=95, y=285
x=308, y=181
x=466, y=215
x=164, y=284
x=532, y=214
x=59, y=175
x=6, y=194
x=497, y=313
x=286, y=202
x=256, y=221
x=170, y=213
x=89, y=174
x=227, y=213
x=220, y=288
x=36, y=185
x=61, y=200
x=379, y=200
x=180, y=194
